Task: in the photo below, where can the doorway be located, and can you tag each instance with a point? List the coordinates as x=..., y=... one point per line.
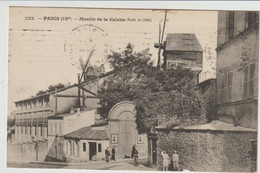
x=127, y=134
x=92, y=150
x=154, y=151
x=56, y=152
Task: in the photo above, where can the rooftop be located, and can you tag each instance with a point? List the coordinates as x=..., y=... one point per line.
x=100, y=123
x=182, y=42
x=60, y=116
x=88, y=133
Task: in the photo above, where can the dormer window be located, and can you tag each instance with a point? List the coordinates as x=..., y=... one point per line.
x=161, y=120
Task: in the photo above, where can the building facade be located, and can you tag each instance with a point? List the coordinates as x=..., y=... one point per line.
x=62, y=124
x=182, y=48
x=237, y=67
x=86, y=144
x=31, y=121
x=122, y=131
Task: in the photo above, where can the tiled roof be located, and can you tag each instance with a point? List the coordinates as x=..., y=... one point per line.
x=100, y=123
x=182, y=42
x=48, y=93
x=88, y=133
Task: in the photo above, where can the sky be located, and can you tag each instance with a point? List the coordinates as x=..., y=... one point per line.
x=45, y=44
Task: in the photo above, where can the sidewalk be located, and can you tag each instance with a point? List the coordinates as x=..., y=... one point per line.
x=81, y=163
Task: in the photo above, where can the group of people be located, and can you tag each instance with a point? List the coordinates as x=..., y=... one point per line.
x=166, y=160
x=113, y=153
x=134, y=154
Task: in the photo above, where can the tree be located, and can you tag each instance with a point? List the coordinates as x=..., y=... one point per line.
x=50, y=89
x=171, y=92
x=10, y=122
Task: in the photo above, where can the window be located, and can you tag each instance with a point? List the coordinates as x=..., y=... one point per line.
x=84, y=147
x=251, y=19
x=225, y=86
x=60, y=128
x=229, y=85
x=55, y=128
x=41, y=130
x=49, y=127
x=25, y=130
x=99, y=147
x=73, y=148
x=30, y=128
x=35, y=131
x=34, y=103
x=249, y=74
x=161, y=120
x=230, y=24
x=40, y=103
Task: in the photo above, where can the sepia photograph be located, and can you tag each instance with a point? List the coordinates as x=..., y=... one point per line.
x=132, y=89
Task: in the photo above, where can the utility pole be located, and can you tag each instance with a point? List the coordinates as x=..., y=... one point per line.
x=78, y=90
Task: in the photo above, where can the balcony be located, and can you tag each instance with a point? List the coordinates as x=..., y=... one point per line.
x=31, y=110
x=31, y=121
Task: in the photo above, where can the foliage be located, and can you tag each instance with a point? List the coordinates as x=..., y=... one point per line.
x=171, y=92
x=10, y=122
x=50, y=89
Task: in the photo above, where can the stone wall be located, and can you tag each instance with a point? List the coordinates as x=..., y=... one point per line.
x=203, y=150
x=27, y=152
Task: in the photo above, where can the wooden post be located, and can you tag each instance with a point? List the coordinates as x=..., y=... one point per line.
x=78, y=91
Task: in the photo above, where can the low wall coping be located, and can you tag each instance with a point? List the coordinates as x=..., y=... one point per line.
x=214, y=126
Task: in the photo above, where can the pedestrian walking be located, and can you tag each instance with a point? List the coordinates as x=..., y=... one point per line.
x=165, y=158
x=107, y=153
x=136, y=157
x=133, y=151
x=113, y=152
x=175, y=159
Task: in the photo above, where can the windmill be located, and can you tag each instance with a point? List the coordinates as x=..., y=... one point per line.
x=84, y=67
x=160, y=44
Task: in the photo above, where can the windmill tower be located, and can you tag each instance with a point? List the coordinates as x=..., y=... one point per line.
x=160, y=44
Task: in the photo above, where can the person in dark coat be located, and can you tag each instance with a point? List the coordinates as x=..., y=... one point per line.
x=133, y=151
x=136, y=157
x=113, y=154
x=107, y=153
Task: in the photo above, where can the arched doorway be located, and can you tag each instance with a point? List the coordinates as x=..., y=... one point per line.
x=122, y=129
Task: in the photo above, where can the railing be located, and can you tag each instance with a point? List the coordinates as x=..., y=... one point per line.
x=31, y=121
x=28, y=110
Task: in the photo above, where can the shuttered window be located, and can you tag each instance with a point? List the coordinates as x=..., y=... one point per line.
x=229, y=85
x=84, y=146
x=249, y=75
x=231, y=24
x=99, y=147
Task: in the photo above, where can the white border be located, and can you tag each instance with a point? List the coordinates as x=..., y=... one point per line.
x=4, y=5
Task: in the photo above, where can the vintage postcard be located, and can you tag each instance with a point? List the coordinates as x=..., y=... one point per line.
x=132, y=89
